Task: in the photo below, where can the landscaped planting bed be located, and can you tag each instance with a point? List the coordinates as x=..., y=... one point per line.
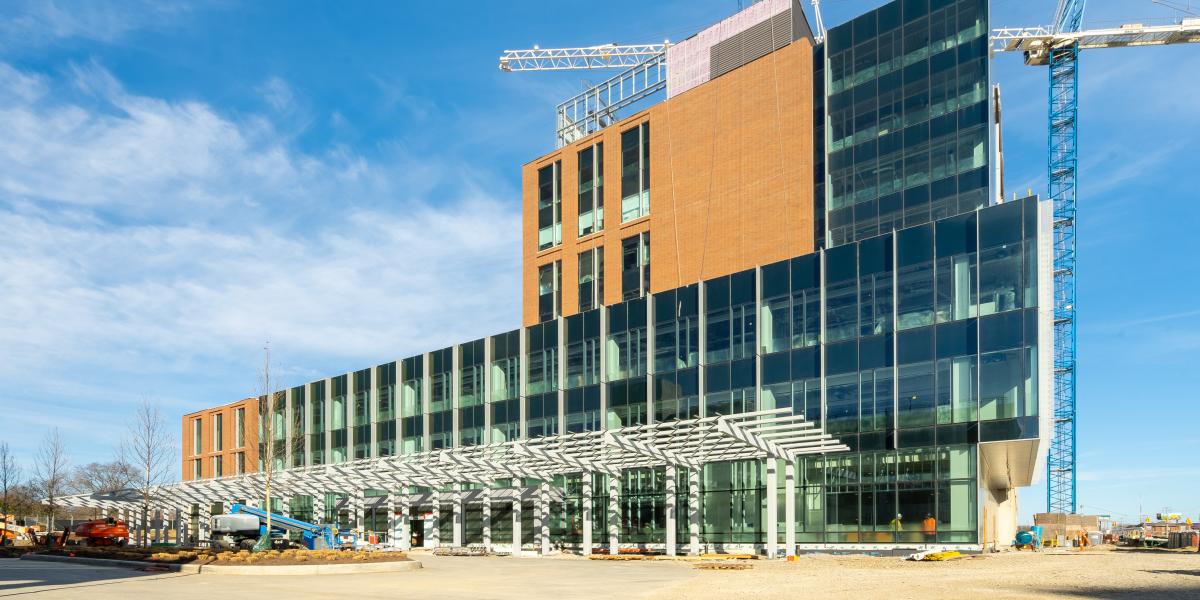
x=229, y=557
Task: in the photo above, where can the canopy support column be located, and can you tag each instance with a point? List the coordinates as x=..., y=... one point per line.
x=516, y=517
x=694, y=512
x=670, y=509
x=789, y=507
x=614, y=515
x=587, y=514
x=772, y=518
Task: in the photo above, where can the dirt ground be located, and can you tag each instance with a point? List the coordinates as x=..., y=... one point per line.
x=1097, y=573
x=227, y=557
x=1093, y=574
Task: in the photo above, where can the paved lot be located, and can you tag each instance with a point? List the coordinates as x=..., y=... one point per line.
x=442, y=577
x=1094, y=574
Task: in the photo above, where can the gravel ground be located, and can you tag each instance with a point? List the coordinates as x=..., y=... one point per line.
x=1096, y=573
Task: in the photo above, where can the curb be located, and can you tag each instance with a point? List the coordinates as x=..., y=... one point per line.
x=397, y=566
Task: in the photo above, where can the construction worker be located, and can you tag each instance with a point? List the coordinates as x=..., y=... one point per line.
x=929, y=527
x=897, y=525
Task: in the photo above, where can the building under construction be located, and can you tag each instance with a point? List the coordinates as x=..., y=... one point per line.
x=782, y=309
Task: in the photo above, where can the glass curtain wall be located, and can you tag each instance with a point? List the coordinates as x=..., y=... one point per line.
x=635, y=172
x=907, y=121
x=339, y=392
x=317, y=426
x=505, y=400
x=441, y=399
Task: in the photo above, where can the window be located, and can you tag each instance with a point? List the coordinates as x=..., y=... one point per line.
x=550, y=290
x=626, y=346
x=550, y=206
x=337, y=418
x=583, y=349
x=676, y=329
x=218, y=471
x=362, y=414
x=470, y=393
x=197, y=445
x=197, y=469
x=218, y=431
x=412, y=409
x=591, y=189
x=316, y=439
x=542, y=361
x=505, y=397
x=240, y=462
x=635, y=172
x=730, y=316
x=385, y=409
x=441, y=385
x=297, y=432
x=239, y=427
x=635, y=266
x=591, y=279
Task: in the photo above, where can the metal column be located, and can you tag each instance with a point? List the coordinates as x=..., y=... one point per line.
x=586, y=550
x=789, y=507
x=614, y=514
x=516, y=518
x=458, y=519
x=671, y=509
x=772, y=516
x=694, y=512
x=544, y=517
x=486, y=517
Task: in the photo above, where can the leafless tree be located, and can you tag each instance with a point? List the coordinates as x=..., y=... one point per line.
x=103, y=478
x=10, y=478
x=52, y=472
x=148, y=448
x=270, y=399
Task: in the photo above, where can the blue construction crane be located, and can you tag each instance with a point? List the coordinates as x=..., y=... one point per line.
x=237, y=531
x=1059, y=48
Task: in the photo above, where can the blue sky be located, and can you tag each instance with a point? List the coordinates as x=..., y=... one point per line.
x=180, y=183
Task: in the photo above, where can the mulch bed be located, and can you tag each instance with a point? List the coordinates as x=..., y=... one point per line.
x=242, y=557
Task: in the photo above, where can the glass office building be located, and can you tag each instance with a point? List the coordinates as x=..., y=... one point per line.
x=913, y=348
x=918, y=334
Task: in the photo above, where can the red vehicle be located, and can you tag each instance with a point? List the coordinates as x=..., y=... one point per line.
x=101, y=532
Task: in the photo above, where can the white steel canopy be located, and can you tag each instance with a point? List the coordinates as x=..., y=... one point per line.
x=691, y=443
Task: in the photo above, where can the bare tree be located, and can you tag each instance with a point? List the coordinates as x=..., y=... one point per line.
x=10, y=478
x=148, y=448
x=51, y=472
x=270, y=398
x=103, y=478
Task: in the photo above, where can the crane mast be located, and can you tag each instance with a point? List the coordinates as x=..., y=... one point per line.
x=1058, y=47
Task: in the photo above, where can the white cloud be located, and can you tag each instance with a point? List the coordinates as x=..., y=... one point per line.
x=152, y=246
x=27, y=23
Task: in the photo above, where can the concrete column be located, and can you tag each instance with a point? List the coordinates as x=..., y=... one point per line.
x=516, y=517
x=772, y=516
x=285, y=507
x=671, y=510
x=789, y=507
x=614, y=514
x=459, y=520
x=486, y=517
x=694, y=512
x=436, y=534
x=587, y=515
x=544, y=512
